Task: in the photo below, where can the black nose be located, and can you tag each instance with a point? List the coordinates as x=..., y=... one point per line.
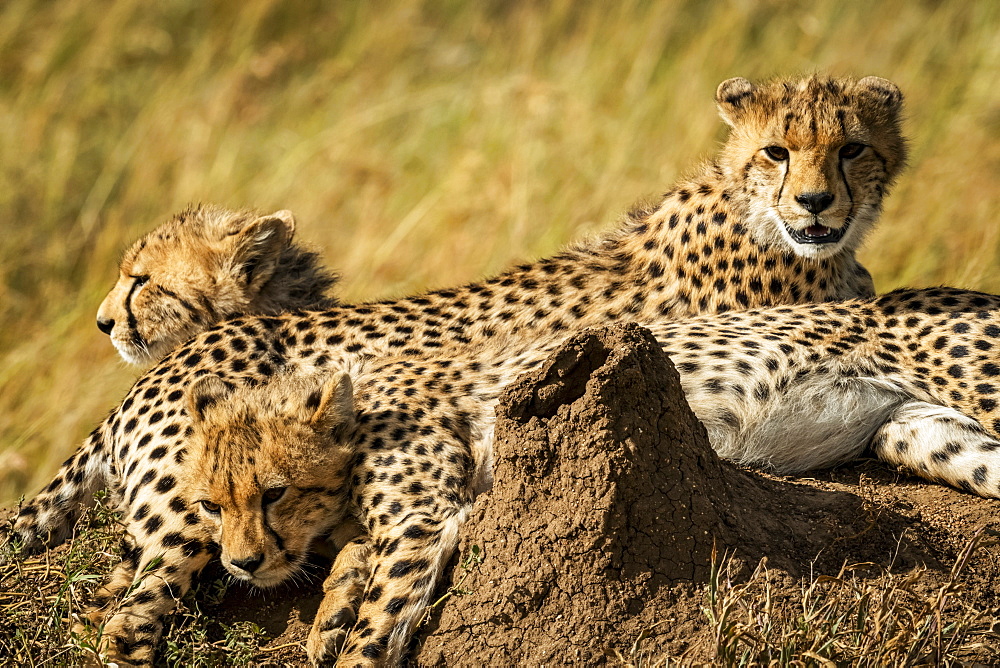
x=814, y=202
x=105, y=325
x=249, y=565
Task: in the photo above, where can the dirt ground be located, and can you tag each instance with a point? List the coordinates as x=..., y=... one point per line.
x=597, y=540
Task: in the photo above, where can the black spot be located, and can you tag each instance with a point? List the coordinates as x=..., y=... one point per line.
x=144, y=597
x=153, y=524
x=166, y=483
x=193, y=547
x=407, y=566
x=979, y=474
x=371, y=651
x=142, y=512
x=395, y=605
x=414, y=531
x=172, y=539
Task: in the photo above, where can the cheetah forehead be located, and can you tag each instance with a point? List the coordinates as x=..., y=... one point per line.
x=817, y=111
x=196, y=227
x=236, y=464
x=260, y=437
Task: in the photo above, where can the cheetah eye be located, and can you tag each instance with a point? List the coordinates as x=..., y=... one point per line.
x=273, y=494
x=210, y=508
x=851, y=150
x=776, y=153
x=140, y=280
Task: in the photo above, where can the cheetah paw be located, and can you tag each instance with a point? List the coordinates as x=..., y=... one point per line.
x=327, y=637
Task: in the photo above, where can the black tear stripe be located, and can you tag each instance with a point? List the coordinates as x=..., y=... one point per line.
x=133, y=323
x=278, y=540
x=850, y=193
x=781, y=188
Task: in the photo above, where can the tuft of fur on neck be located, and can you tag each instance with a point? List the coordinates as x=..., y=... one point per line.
x=300, y=282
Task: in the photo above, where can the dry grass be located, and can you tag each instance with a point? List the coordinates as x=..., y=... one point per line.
x=864, y=616
x=42, y=596
x=420, y=144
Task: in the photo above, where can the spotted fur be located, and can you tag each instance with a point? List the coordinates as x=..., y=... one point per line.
x=204, y=265
x=912, y=375
x=277, y=466
x=704, y=248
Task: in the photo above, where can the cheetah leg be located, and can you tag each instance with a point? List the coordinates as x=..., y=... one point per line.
x=342, y=592
x=129, y=611
x=108, y=594
x=48, y=519
x=408, y=560
x=941, y=444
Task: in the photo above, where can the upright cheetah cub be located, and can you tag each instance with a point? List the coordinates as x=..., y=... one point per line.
x=204, y=265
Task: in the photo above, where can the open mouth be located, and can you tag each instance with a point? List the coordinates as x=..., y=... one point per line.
x=817, y=234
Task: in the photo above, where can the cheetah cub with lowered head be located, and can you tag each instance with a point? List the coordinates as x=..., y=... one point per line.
x=276, y=467
x=204, y=265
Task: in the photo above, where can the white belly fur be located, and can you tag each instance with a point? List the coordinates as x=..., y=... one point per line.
x=818, y=421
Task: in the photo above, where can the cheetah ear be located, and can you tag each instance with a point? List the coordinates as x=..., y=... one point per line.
x=731, y=98
x=332, y=406
x=204, y=393
x=259, y=245
x=881, y=92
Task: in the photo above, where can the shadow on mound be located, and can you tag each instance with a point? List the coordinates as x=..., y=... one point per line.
x=607, y=504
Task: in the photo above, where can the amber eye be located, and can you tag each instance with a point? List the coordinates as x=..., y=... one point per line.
x=851, y=150
x=273, y=494
x=776, y=153
x=210, y=508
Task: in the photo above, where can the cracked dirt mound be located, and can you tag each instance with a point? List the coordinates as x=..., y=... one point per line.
x=607, y=503
x=606, y=494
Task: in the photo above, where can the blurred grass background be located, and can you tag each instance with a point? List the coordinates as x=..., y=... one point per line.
x=422, y=144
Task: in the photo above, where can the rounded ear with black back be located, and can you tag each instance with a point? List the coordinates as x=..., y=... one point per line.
x=203, y=394
x=331, y=407
x=881, y=92
x=732, y=97
x=259, y=244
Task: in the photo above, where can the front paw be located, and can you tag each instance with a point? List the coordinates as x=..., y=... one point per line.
x=19, y=538
x=327, y=636
x=121, y=639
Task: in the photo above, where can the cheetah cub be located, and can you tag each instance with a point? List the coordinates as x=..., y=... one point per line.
x=276, y=467
x=204, y=265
